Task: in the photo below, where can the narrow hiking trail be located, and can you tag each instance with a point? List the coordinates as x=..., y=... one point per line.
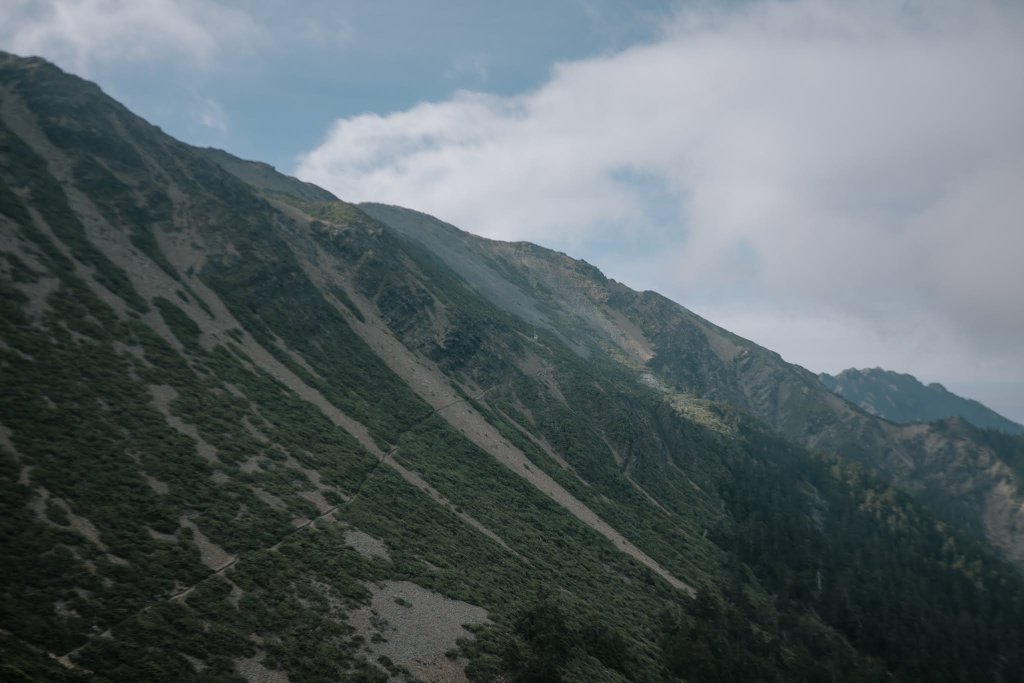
x=427, y=382
x=182, y=593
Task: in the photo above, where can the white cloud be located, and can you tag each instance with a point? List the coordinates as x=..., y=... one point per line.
x=80, y=34
x=319, y=24
x=864, y=159
x=474, y=67
x=211, y=115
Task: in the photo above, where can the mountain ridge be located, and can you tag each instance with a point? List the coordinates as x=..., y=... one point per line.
x=705, y=360
x=693, y=356
x=902, y=398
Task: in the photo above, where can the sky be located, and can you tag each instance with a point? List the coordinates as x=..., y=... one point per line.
x=840, y=182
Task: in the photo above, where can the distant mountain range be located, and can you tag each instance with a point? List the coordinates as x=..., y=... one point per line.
x=252, y=432
x=903, y=398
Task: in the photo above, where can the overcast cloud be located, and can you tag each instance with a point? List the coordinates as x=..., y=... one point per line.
x=854, y=171
x=81, y=34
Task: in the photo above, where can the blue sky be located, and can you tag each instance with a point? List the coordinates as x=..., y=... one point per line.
x=837, y=181
x=265, y=79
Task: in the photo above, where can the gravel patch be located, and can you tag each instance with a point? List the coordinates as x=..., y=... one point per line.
x=268, y=498
x=252, y=670
x=162, y=395
x=159, y=487
x=197, y=664
x=236, y=593
x=252, y=464
x=76, y=522
x=159, y=536
x=318, y=501
x=249, y=426
x=211, y=554
x=5, y=441
x=365, y=544
x=414, y=627
x=37, y=293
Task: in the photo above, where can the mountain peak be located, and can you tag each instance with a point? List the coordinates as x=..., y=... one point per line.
x=902, y=398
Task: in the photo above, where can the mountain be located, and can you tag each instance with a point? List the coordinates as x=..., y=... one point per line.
x=969, y=478
x=902, y=398
x=251, y=432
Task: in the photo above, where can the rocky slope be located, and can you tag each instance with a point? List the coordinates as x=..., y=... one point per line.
x=969, y=478
x=251, y=432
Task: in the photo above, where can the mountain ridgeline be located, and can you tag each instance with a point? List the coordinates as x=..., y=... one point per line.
x=251, y=432
x=902, y=398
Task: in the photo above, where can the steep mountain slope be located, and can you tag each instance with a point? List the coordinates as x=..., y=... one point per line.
x=969, y=478
x=248, y=432
x=266, y=177
x=900, y=397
